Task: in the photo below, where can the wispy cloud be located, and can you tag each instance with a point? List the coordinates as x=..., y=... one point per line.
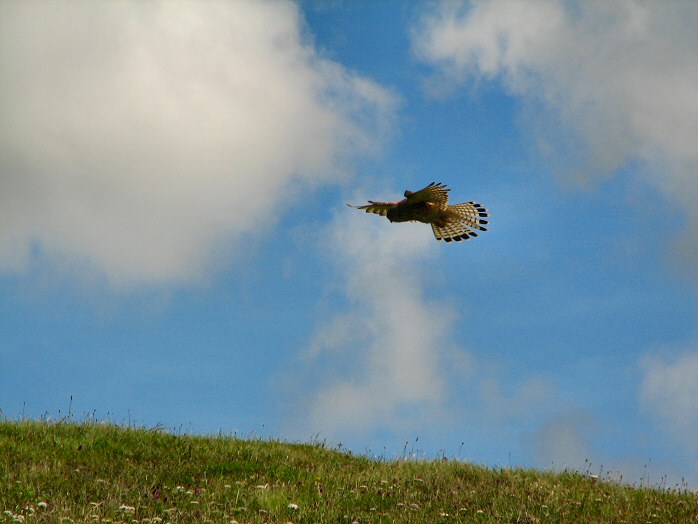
x=669, y=392
x=564, y=441
x=381, y=361
x=142, y=140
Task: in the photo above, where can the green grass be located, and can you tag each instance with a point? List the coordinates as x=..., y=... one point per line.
x=92, y=472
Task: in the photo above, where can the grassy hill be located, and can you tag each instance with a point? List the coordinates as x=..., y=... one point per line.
x=62, y=472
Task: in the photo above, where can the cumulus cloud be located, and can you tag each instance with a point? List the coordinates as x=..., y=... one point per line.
x=139, y=138
x=607, y=83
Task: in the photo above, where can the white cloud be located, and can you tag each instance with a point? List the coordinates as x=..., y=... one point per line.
x=607, y=83
x=139, y=138
x=669, y=391
x=622, y=70
x=382, y=361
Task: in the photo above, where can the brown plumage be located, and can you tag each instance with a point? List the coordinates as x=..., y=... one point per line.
x=430, y=206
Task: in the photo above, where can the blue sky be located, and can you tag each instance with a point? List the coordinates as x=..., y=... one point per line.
x=175, y=248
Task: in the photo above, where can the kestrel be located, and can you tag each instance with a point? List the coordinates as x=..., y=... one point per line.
x=430, y=205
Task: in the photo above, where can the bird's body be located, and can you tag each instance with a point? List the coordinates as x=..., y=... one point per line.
x=430, y=206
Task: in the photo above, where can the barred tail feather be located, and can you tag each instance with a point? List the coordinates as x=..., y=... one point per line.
x=470, y=218
x=456, y=231
x=472, y=214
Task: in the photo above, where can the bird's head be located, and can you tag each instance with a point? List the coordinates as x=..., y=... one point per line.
x=408, y=193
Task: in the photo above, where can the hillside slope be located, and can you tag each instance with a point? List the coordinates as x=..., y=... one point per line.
x=105, y=473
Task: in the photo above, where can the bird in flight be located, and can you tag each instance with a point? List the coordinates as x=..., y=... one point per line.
x=430, y=206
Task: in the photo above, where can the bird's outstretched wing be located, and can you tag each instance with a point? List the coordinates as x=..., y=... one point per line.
x=379, y=208
x=434, y=192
